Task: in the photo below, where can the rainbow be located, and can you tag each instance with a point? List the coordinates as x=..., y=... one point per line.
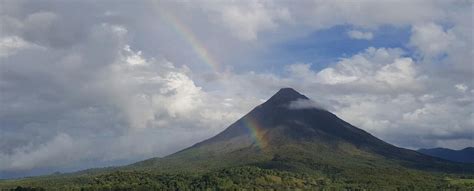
x=201, y=51
x=256, y=131
x=189, y=37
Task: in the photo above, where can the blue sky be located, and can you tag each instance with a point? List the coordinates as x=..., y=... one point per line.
x=324, y=47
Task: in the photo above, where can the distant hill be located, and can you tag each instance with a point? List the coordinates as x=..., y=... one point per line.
x=285, y=143
x=465, y=155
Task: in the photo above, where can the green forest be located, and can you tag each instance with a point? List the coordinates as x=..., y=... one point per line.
x=242, y=178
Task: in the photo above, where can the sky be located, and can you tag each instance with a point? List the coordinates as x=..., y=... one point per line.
x=88, y=84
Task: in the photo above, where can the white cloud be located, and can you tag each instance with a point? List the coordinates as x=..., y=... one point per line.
x=185, y=95
x=461, y=87
x=403, y=120
x=360, y=35
x=331, y=76
x=431, y=39
x=246, y=20
x=11, y=44
x=378, y=69
x=304, y=104
x=134, y=59
x=401, y=73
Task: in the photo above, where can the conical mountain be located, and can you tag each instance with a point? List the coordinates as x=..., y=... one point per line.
x=286, y=143
x=289, y=131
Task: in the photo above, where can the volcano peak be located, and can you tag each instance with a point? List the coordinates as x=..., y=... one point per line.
x=286, y=95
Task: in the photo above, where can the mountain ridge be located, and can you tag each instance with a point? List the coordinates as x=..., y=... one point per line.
x=465, y=155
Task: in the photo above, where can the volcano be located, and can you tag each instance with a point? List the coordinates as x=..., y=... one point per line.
x=290, y=132
x=286, y=143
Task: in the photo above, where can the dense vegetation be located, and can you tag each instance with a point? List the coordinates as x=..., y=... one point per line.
x=238, y=178
x=285, y=167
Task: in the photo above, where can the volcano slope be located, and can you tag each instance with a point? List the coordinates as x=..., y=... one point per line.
x=284, y=143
